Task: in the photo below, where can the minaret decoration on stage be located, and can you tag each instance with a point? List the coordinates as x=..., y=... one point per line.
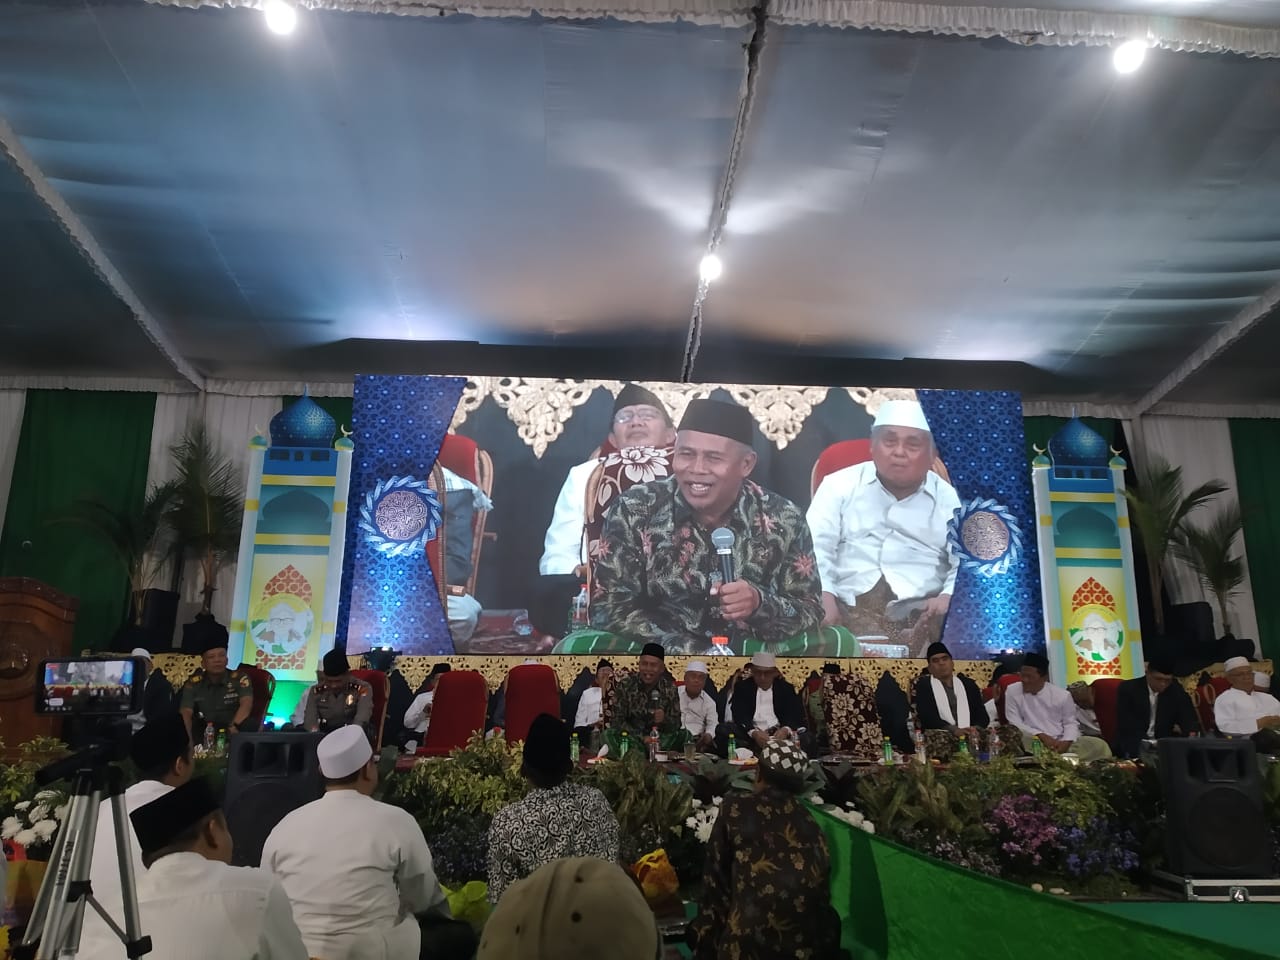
x=1086, y=558
x=291, y=546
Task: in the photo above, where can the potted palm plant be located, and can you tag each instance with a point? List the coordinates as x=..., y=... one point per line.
x=206, y=508
x=1158, y=509
x=1210, y=551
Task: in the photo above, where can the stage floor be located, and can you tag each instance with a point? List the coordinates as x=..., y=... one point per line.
x=1244, y=926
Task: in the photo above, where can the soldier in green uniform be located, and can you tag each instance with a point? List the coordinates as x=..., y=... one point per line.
x=214, y=694
x=339, y=698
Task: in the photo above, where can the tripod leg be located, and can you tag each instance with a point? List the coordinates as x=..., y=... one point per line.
x=59, y=905
x=128, y=882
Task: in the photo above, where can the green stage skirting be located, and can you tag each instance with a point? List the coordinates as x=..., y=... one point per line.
x=901, y=905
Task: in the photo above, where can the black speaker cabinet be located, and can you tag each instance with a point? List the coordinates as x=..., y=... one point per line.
x=1213, y=793
x=269, y=775
x=159, y=619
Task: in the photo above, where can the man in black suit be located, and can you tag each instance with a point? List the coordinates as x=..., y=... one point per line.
x=157, y=694
x=950, y=706
x=1152, y=707
x=761, y=708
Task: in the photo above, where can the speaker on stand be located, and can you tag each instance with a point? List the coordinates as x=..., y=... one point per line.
x=269, y=775
x=1216, y=828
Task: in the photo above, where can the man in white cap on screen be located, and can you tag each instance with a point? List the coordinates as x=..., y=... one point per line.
x=358, y=871
x=880, y=535
x=1244, y=710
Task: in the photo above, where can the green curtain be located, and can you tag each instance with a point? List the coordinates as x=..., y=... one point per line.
x=897, y=904
x=1039, y=429
x=1255, y=448
x=337, y=407
x=77, y=444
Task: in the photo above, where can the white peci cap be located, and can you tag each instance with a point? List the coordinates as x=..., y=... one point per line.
x=765, y=661
x=343, y=752
x=1235, y=663
x=901, y=413
x=142, y=652
x=696, y=666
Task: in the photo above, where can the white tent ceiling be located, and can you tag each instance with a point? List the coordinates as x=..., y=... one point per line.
x=187, y=192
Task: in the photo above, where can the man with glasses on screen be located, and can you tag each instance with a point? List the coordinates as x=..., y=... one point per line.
x=639, y=420
x=880, y=535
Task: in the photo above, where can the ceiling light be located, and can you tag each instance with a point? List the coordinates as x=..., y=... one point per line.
x=281, y=16
x=1129, y=55
x=710, y=268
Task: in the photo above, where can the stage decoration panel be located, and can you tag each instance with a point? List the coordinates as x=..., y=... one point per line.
x=556, y=469
x=1086, y=558
x=284, y=610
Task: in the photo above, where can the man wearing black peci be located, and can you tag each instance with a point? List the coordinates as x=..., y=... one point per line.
x=1152, y=707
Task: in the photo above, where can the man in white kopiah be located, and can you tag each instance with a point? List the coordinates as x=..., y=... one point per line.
x=1039, y=709
x=1244, y=710
x=639, y=420
x=698, y=712
x=880, y=534
x=358, y=871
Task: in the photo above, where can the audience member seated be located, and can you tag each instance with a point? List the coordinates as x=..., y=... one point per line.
x=1152, y=708
x=814, y=708
x=698, y=712
x=191, y=902
x=639, y=420
x=1040, y=709
x=157, y=692
x=1086, y=716
x=588, y=719
x=1244, y=711
x=214, y=694
x=580, y=908
x=646, y=699
x=949, y=706
x=358, y=871
x=162, y=753
x=418, y=717
x=557, y=819
x=761, y=709
x=658, y=575
x=766, y=885
x=880, y=535
x=339, y=698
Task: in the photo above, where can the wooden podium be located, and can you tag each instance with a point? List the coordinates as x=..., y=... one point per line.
x=36, y=623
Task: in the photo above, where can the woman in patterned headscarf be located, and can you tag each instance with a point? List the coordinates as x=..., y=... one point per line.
x=766, y=885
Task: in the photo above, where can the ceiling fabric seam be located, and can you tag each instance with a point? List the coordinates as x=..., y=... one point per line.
x=89, y=248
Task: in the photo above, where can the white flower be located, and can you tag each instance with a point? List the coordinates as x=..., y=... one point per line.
x=60, y=814
x=45, y=829
x=39, y=812
x=25, y=804
x=9, y=828
x=25, y=837
x=817, y=799
x=717, y=800
x=47, y=795
x=696, y=803
x=692, y=823
x=868, y=826
x=703, y=833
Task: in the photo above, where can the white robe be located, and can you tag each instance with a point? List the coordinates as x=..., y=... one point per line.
x=357, y=872
x=563, y=549
x=198, y=909
x=1236, y=713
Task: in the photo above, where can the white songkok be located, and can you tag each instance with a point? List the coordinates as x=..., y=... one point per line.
x=343, y=752
x=765, y=661
x=1233, y=663
x=696, y=666
x=142, y=652
x=901, y=413
x=1261, y=680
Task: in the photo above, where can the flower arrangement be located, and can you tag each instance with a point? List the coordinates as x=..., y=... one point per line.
x=704, y=818
x=34, y=823
x=848, y=813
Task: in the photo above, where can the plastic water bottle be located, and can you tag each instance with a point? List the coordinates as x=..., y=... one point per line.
x=993, y=742
x=221, y=748
x=1037, y=746
x=887, y=747
x=964, y=745
x=922, y=751
x=578, y=612
x=652, y=743
x=733, y=746
x=208, y=737
x=625, y=746
x=574, y=750
x=719, y=648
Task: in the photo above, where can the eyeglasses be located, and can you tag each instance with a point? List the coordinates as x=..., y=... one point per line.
x=640, y=416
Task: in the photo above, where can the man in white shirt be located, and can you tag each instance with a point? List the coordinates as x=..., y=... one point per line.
x=1039, y=709
x=1245, y=711
x=358, y=871
x=880, y=535
x=639, y=420
x=192, y=903
x=588, y=719
x=761, y=708
x=697, y=710
x=161, y=751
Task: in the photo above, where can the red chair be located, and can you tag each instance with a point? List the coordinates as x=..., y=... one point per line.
x=1105, y=692
x=264, y=688
x=1206, y=693
x=457, y=711
x=847, y=453
x=381, y=684
x=1004, y=683
x=461, y=455
x=532, y=689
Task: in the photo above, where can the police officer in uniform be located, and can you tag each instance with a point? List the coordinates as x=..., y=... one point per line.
x=339, y=698
x=214, y=694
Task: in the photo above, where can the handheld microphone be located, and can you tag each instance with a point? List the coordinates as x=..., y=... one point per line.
x=722, y=539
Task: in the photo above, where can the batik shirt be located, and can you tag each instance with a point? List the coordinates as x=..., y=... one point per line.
x=765, y=888
x=657, y=565
x=570, y=820
x=634, y=703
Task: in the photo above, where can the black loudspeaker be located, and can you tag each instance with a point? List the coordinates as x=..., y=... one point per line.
x=159, y=619
x=269, y=775
x=1213, y=794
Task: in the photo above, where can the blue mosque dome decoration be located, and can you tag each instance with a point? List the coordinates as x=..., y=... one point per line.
x=303, y=423
x=1079, y=451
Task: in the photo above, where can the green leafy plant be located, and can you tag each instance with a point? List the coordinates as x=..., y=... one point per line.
x=1158, y=509
x=18, y=780
x=205, y=510
x=1211, y=551
x=648, y=805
